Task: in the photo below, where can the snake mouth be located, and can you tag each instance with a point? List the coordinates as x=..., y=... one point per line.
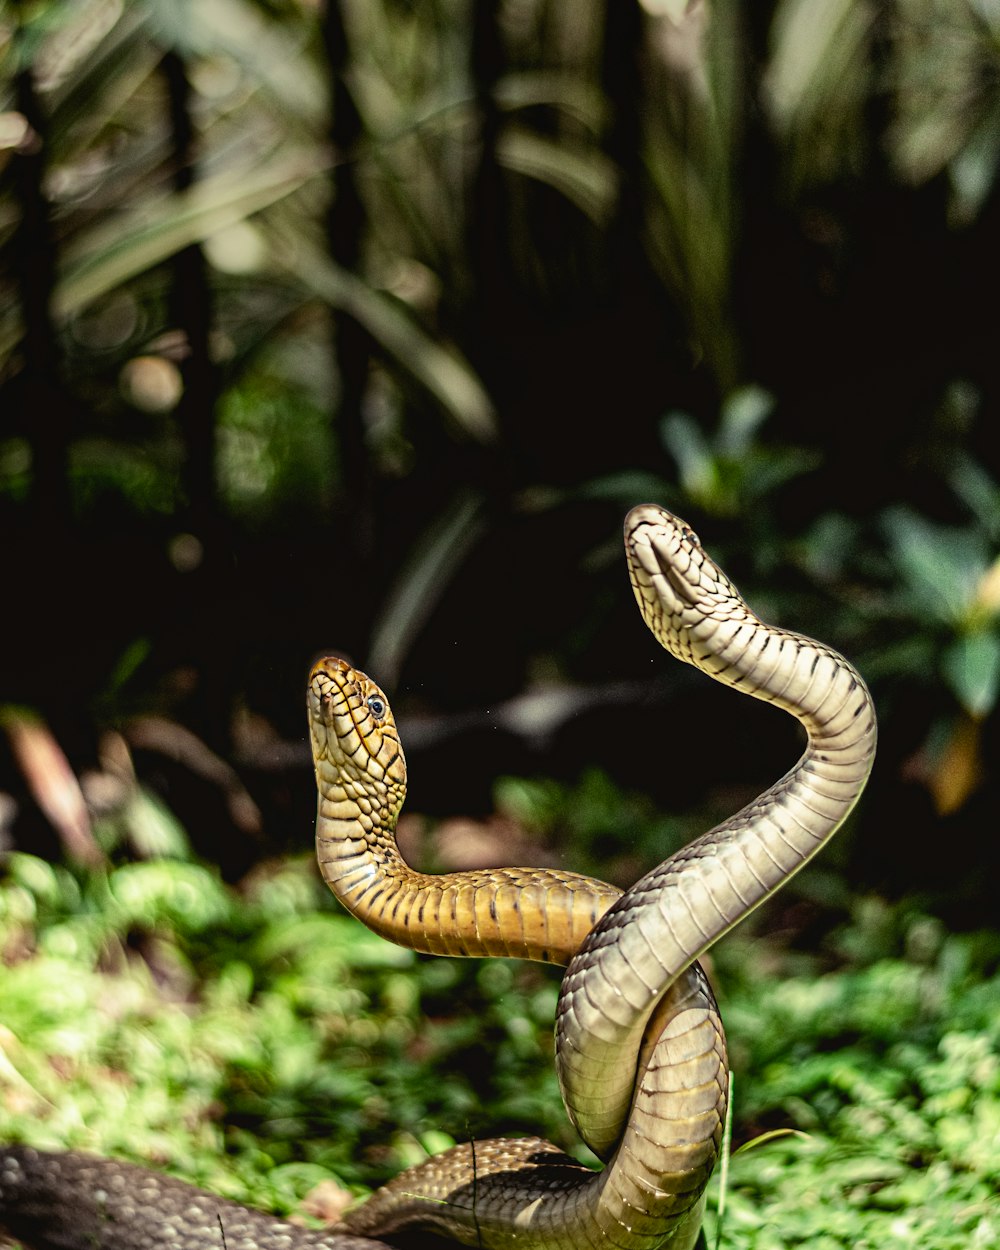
x=331, y=680
x=333, y=692
x=331, y=668
x=654, y=537
x=349, y=719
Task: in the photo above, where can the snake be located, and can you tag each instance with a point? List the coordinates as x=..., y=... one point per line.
x=640, y=1047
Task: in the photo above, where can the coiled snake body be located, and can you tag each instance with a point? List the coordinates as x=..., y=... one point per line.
x=639, y=1041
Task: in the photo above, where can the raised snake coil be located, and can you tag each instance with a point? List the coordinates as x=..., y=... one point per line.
x=639, y=1042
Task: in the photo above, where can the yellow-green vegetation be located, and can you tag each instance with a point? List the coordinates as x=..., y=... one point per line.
x=256, y=1041
x=890, y=1067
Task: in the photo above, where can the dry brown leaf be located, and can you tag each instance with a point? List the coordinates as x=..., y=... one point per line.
x=157, y=733
x=52, y=782
x=958, y=771
x=327, y=1201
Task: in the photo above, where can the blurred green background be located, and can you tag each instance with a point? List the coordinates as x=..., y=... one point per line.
x=357, y=326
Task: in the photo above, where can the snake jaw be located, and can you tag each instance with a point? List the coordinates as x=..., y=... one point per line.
x=677, y=584
x=670, y=573
x=352, y=728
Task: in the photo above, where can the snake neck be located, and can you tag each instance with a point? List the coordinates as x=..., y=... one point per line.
x=356, y=840
x=679, y=909
x=806, y=678
x=521, y=913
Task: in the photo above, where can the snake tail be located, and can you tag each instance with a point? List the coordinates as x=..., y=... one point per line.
x=71, y=1201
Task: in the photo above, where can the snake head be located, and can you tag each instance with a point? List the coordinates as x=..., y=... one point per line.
x=677, y=583
x=352, y=728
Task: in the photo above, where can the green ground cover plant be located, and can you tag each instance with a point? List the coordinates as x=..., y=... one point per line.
x=888, y=1066
x=257, y=1041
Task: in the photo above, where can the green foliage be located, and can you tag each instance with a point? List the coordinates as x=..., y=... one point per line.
x=733, y=471
x=611, y=832
x=892, y=1071
x=915, y=601
x=255, y=1040
x=948, y=580
x=259, y=98
x=730, y=472
x=732, y=117
x=245, y=1039
x=275, y=444
x=259, y=1041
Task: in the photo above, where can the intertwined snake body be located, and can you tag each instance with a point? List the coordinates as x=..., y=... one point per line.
x=639, y=1042
x=640, y=1047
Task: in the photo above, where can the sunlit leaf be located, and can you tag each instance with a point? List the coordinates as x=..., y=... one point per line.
x=432, y=564
x=943, y=75
x=675, y=10
x=690, y=157
x=742, y=414
x=687, y=444
x=988, y=592
x=957, y=770
x=810, y=47
x=773, y=1134
x=972, y=668
x=153, y=829
x=980, y=493
x=144, y=236
x=51, y=781
x=817, y=86
x=973, y=170
x=273, y=54
x=576, y=96
x=941, y=567
x=449, y=378
x=587, y=177
x=186, y=895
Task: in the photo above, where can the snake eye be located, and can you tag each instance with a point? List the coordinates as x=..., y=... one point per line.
x=688, y=534
x=377, y=706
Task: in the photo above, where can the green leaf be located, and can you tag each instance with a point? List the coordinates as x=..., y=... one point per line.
x=743, y=413
x=586, y=177
x=449, y=378
x=576, y=96
x=120, y=249
x=427, y=573
x=166, y=891
x=272, y=53
x=687, y=444
x=941, y=567
x=973, y=170
x=152, y=826
x=771, y=1135
x=978, y=491
x=972, y=668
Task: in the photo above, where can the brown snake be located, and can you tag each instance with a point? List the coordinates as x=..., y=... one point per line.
x=639, y=1042
x=640, y=1046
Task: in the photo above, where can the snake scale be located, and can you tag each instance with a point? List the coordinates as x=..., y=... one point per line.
x=639, y=1041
